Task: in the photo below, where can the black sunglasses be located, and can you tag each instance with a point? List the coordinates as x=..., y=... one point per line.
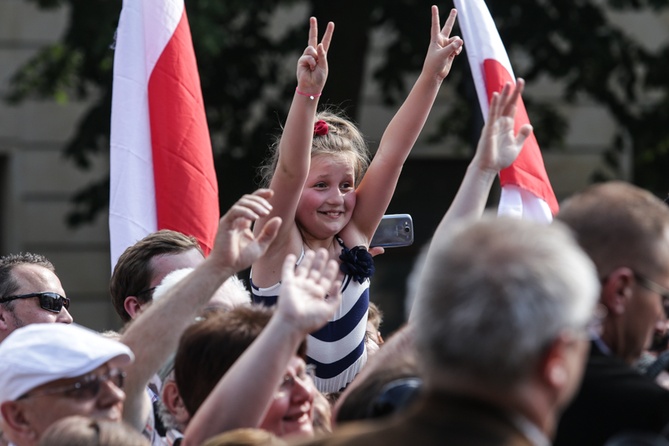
x=48, y=301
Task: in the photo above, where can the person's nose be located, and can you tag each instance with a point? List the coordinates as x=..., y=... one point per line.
x=64, y=317
x=303, y=389
x=110, y=394
x=336, y=196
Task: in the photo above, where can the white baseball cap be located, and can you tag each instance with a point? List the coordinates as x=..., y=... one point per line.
x=40, y=353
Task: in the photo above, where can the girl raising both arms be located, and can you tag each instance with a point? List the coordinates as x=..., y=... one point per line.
x=324, y=201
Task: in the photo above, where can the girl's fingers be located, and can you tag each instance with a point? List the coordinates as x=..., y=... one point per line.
x=313, y=32
x=327, y=37
x=434, y=30
x=450, y=21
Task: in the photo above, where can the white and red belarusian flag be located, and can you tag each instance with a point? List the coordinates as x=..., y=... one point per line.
x=162, y=170
x=526, y=190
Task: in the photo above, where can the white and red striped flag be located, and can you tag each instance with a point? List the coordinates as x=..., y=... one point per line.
x=526, y=190
x=162, y=170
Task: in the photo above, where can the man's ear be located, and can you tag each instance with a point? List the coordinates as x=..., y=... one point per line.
x=4, y=319
x=173, y=402
x=132, y=306
x=16, y=425
x=617, y=290
x=562, y=365
x=553, y=367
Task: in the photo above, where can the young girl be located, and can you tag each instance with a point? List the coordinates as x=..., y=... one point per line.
x=325, y=202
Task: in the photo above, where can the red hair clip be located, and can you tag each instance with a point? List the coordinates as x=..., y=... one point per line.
x=321, y=128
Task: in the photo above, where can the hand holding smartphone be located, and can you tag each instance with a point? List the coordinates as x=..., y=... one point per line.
x=393, y=231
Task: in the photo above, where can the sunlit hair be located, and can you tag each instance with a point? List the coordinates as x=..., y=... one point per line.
x=322, y=420
x=619, y=224
x=132, y=272
x=375, y=315
x=84, y=431
x=343, y=138
x=207, y=349
x=495, y=293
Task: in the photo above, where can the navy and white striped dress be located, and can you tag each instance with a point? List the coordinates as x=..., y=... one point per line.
x=338, y=349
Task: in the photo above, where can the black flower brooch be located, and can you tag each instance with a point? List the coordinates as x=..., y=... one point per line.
x=357, y=263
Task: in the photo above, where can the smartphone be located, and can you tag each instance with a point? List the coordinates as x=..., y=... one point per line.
x=394, y=230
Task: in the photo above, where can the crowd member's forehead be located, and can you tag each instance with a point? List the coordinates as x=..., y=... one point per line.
x=30, y=278
x=11, y=261
x=164, y=264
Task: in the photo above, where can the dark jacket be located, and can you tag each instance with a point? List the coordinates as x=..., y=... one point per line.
x=437, y=419
x=613, y=398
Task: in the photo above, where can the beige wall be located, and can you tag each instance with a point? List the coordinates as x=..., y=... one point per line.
x=38, y=182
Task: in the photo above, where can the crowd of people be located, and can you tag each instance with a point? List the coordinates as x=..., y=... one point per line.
x=520, y=333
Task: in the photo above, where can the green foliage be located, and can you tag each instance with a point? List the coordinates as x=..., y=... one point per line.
x=577, y=43
x=246, y=66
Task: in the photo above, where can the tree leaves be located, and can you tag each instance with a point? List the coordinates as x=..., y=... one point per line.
x=246, y=63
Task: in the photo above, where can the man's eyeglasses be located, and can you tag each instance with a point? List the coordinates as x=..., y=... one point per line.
x=655, y=288
x=49, y=301
x=86, y=388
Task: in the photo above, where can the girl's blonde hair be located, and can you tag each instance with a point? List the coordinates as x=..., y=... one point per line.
x=342, y=138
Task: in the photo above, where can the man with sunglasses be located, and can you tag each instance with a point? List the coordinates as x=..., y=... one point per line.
x=625, y=230
x=51, y=371
x=30, y=292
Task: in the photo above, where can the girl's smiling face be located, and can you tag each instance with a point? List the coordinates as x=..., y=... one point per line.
x=328, y=197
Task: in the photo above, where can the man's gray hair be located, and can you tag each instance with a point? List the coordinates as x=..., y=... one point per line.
x=495, y=293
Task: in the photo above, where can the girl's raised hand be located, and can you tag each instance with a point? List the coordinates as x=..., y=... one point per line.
x=312, y=67
x=499, y=146
x=310, y=292
x=443, y=48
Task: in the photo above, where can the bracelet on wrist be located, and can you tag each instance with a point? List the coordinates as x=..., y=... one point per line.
x=309, y=95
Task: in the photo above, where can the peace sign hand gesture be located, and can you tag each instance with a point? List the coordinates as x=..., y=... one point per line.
x=312, y=67
x=443, y=48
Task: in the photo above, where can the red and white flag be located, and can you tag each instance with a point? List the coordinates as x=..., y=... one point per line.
x=162, y=170
x=526, y=190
